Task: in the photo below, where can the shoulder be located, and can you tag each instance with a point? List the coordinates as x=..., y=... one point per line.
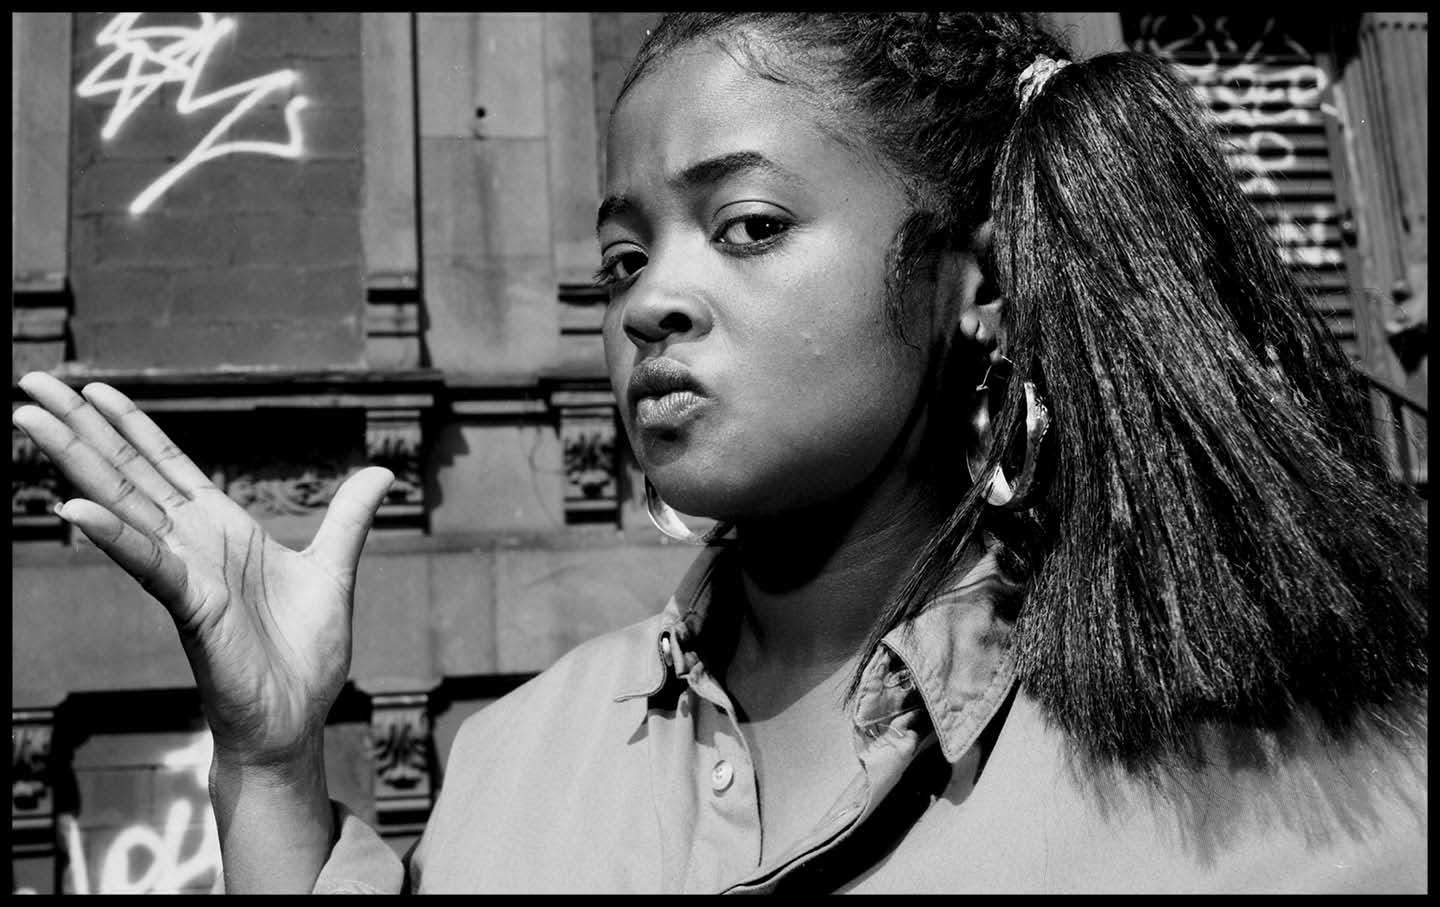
x=580, y=687
x=1293, y=812
x=1302, y=811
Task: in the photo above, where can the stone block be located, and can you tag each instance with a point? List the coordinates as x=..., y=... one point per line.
x=509, y=73
x=289, y=36
x=113, y=751
x=328, y=185
x=155, y=131
x=243, y=183
x=549, y=601
x=108, y=186
x=164, y=239
x=32, y=874
x=497, y=477
x=298, y=239
x=333, y=132
x=217, y=294
x=114, y=798
x=570, y=103
x=392, y=620
x=88, y=627
x=392, y=353
x=497, y=319
x=182, y=783
x=485, y=200
x=445, y=64
x=333, y=82
x=144, y=293
x=290, y=343
x=238, y=184
x=462, y=609
x=44, y=355
x=323, y=293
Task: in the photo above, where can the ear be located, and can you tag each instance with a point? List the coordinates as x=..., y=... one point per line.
x=969, y=308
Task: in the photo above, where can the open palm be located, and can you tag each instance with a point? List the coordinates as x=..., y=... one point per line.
x=266, y=628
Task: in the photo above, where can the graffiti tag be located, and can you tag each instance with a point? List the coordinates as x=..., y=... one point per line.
x=146, y=58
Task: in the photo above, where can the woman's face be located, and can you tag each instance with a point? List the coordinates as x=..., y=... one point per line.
x=746, y=337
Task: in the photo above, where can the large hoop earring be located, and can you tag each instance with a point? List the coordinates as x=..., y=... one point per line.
x=670, y=524
x=1000, y=491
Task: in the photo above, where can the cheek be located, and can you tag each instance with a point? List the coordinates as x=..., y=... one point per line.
x=619, y=352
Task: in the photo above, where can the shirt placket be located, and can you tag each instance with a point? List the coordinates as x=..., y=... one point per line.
x=726, y=842
x=883, y=749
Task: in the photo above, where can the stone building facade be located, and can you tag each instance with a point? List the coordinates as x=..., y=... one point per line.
x=309, y=241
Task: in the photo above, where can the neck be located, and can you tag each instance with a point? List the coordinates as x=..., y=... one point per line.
x=814, y=582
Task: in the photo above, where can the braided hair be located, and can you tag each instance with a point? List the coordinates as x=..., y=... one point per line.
x=1219, y=542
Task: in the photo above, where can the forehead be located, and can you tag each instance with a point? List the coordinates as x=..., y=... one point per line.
x=703, y=99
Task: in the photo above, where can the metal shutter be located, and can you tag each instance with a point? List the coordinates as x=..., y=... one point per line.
x=1265, y=89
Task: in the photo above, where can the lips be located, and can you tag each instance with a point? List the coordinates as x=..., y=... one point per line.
x=664, y=395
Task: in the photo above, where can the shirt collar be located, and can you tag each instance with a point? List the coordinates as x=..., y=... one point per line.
x=681, y=620
x=955, y=652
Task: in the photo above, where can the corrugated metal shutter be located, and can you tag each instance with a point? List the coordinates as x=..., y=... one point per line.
x=1262, y=84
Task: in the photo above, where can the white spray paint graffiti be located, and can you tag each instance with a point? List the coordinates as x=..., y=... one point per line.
x=179, y=55
x=166, y=867
x=1253, y=99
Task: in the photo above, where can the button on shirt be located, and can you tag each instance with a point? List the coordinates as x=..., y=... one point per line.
x=623, y=769
x=721, y=776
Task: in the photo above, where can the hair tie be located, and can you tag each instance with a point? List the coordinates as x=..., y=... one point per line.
x=1032, y=78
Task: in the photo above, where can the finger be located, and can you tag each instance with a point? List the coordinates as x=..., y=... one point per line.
x=141, y=431
x=87, y=470
x=92, y=426
x=347, y=522
x=158, y=571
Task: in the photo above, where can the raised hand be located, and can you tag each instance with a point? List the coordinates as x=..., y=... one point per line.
x=266, y=628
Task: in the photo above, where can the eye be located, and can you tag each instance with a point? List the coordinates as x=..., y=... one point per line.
x=620, y=266
x=751, y=229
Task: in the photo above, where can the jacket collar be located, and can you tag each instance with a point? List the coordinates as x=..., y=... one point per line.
x=955, y=653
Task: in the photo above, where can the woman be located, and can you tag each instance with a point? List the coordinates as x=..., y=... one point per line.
x=1164, y=629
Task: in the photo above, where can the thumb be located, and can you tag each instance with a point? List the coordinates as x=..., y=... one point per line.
x=347, y=522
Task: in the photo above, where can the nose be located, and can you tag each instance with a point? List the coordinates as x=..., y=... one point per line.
x=660, y=309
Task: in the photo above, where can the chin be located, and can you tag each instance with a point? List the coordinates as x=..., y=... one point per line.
x=719, y=497
x=697, y=498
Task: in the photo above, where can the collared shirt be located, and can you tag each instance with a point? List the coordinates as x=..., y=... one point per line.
x=624, y=769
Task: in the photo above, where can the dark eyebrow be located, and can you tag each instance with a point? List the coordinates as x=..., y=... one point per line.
x=613, y=206
x=709, y=171
x=715, y=169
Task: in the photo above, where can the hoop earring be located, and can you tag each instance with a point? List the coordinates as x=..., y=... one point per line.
x=1000, y=492
x=670, y=525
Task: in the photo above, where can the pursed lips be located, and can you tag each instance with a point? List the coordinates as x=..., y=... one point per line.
x=658, y=377
x=663, y=393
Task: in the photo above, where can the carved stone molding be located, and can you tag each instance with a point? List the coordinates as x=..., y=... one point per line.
x=394, y=438
x=588, y=440
x=401, y=750
x=293, y=491
x=36, y=486
x=32, y=786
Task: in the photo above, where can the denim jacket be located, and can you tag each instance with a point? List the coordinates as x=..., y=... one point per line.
x=623, y=769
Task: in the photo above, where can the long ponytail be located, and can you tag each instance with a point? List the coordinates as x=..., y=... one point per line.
x=1223, y=541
